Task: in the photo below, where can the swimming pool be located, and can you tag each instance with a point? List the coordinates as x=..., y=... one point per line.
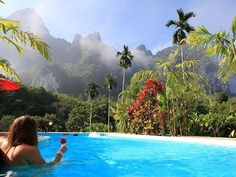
x=106, y=156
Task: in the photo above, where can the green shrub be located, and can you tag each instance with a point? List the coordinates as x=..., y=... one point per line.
x=96, y=127
x=5, y=122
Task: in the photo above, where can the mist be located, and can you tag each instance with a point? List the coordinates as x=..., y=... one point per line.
x=86, y=59
x=74, y=63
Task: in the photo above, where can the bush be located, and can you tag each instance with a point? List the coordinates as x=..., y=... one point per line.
x=5, y=122
x=145, y=115
x=78, y=117
x=96, y=127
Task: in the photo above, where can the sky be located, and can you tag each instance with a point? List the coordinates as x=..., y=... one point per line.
x=119, y=22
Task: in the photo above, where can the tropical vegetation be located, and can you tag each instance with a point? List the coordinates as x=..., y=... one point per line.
x=92, y=92
x=221, y=44
x=10, y=33
x=182, y=28
x=125, y=58
x=110, y=83
x=172, y=98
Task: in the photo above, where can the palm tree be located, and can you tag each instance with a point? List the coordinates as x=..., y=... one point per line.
x=222, y=44
x=10, y=33
x=110, y=83
x=182, y=28
x=177, y=87
x=92, y=92
x=126, y=58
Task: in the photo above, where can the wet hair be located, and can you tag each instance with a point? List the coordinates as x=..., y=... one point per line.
x=23, y=131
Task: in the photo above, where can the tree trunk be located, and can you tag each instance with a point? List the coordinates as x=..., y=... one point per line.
x=174, y=132
x=217, y=131
x=182, y=58
x=168, y=114
x=180, y=128
x=90, y=117
x=174, y=121
x=108, y=112
x=214, y=132
x=123, y=83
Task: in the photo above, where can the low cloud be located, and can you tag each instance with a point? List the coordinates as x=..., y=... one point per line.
x=161, y=47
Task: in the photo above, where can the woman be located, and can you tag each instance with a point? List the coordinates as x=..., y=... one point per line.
x=20, y=147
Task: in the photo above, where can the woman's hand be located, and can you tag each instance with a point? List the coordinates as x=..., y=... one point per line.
x=59, y=154
x=63, y=148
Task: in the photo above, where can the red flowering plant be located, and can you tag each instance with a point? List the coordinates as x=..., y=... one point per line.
x=145, y=114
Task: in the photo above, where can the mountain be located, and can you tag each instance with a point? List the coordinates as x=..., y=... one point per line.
x=31, y=21
x=207, y=66
x=142, y=47
x=88, y=58
x=74, y=63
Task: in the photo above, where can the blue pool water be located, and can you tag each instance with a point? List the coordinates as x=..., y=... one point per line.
x=126, y=157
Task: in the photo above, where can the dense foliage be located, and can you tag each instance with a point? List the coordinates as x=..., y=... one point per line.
x=173, y=99
x=145, y=114
x=67, y=113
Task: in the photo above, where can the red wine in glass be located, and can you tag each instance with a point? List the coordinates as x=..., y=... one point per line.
x=63, y=140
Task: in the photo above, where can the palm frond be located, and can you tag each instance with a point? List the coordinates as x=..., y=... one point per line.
x=110, y=82
x=219, y=44
x=125, y=57
x=195, y=77
x=233, y=28
x=12, y=34
x=170, y=23
x=189, y=28
x=227, y=68
x=180, y=36
x=141, y=76
x=34, y=42
x=175, y=38
x=180, y=13
x=92, y=90
x=166, y=63
x=8, y=70
x=188, y=16
x=15, y=44
x=188, y=64
x=8, y=24
x=118, y=53
x=174, y=84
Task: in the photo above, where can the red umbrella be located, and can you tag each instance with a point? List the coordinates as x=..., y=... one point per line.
x=7, y=85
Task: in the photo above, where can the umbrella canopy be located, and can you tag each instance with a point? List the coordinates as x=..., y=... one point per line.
x=7, y=85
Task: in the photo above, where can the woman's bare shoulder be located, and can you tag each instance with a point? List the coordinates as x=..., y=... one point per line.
x=32, y=154
x=27, y=148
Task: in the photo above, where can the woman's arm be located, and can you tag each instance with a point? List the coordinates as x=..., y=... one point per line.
x=59, y=154
x=34, y=157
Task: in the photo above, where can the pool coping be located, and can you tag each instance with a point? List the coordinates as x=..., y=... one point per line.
x=219, y=141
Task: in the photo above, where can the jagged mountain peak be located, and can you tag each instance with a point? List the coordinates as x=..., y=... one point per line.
x=30, y=21
x=95, y=37
x=76, y=39
x=143, y=48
